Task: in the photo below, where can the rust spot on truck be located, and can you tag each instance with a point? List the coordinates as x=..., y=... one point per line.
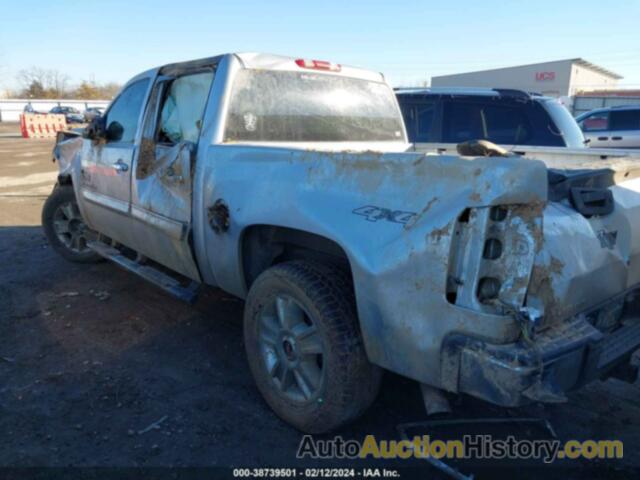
x=417, y=217
x=146, y=158
x=542, y=287
x=436, y=235
x=475, y=197
x=218, y=216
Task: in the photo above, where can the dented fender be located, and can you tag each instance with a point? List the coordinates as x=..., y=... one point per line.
x=395, y=216
x=66, y=151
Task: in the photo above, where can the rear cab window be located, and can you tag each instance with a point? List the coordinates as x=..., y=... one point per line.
x=290, y=106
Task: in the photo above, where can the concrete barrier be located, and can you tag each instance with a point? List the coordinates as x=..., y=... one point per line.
x=35, y=125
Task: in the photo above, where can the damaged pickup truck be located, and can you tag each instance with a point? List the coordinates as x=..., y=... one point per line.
x=289, y=183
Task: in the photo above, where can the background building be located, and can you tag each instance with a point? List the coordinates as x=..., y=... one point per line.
x=589, y=100
x=562, y=78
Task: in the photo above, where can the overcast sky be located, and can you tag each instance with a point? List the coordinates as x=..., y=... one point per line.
x=409, y=41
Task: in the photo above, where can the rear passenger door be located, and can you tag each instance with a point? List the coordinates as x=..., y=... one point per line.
x=162, y=177
x=624, y=128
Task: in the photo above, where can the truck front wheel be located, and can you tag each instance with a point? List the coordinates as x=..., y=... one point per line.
x=64, y=227
x=304, y=346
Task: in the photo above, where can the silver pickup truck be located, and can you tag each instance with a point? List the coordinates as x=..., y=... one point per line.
x=289, y=183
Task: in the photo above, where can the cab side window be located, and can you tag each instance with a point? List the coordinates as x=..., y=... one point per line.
x=183, y=107
x=121, y=120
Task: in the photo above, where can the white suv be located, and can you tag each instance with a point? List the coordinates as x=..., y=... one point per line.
x=616, y=127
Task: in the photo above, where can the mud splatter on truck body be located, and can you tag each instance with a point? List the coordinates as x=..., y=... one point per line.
x=470, y=274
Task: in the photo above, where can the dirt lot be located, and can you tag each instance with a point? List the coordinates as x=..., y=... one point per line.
x=91, y=357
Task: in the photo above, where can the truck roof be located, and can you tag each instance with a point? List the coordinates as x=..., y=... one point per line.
x=267, y=61
x=279, y=62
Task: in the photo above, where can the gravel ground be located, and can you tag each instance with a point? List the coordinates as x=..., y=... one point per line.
x=92, y=356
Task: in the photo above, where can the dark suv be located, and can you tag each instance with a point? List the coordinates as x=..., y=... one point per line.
x=504, y=117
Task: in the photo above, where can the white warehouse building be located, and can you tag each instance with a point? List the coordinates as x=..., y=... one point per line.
x=561, y=78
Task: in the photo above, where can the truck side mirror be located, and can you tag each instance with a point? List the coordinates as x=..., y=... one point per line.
x=95, y=130
x=115, y=130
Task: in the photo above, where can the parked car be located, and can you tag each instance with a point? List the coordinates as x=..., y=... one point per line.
x=287, y=182
x=71, y=115
x=93, y=112
x=613, y=127
x=509, y=118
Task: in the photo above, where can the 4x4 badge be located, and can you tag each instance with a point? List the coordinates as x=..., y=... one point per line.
x=373, y=214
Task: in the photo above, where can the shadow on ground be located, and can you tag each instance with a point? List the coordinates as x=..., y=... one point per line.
x=91, y=357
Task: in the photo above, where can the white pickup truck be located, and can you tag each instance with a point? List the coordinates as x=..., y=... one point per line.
x=290, y=184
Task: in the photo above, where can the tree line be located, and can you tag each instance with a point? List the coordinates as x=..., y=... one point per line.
x=49, y=83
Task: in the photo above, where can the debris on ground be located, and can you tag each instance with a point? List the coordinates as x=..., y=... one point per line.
x=102, y=295
x=154, y=426
x=68, y=294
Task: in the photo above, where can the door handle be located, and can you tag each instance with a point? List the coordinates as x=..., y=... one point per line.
x=120, y=166
x=616, y=138
x=603, y=138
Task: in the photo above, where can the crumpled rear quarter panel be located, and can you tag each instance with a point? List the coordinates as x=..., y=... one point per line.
x=587, y=261
x=399, y=257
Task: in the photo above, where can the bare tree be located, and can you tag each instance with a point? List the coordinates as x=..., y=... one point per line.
x=57, y=83
x=109, y=90
x=43, y=83
x=38, y=82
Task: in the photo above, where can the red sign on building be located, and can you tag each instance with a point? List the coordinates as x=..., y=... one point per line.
x=545, y=76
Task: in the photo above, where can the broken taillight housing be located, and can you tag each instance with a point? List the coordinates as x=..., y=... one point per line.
x=491, y=256
x=488, y=289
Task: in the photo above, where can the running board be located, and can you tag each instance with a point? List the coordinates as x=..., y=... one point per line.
x=164, y=281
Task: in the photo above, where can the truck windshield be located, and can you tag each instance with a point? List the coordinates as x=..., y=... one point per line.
x=283, y=106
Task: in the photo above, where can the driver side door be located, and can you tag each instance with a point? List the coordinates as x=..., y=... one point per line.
x=105, y=175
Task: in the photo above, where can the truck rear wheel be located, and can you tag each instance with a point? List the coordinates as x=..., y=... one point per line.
x=304, y=346
x=64, y=227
